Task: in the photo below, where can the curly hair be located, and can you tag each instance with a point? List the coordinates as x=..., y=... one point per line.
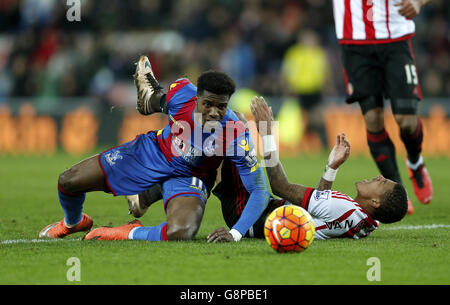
x=393, y=205
x=216, y=82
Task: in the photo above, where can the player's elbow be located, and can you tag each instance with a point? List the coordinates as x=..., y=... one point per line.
x=281, y=190
x=276, y=192
x=264, y=196
x=279, y=193
x=277, y=188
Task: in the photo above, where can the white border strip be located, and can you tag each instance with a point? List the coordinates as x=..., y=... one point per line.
x=418, y=227
x=26, y=241
x=388, y=228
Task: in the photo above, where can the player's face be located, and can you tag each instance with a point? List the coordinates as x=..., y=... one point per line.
x=212, y=106
x=375, y=187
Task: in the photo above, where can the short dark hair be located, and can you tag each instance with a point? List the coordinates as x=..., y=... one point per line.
x=216, y=82
x=393, y=205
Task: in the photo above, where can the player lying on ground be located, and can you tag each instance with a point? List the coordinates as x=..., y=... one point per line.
x=201, y=131
x=334, y=214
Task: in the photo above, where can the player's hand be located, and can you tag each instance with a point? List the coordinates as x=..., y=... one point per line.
x=409, y=8
x=340, y=152
x=262, y=114
x=220, y=235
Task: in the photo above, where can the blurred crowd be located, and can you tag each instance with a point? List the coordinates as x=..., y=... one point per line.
x=43, y=54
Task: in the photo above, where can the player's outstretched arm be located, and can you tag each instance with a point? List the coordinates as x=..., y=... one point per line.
x=338, y=155
x=278, y=179
x=282, y=187
x=242, y=153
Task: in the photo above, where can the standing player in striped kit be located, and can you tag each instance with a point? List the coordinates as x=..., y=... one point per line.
x=378, y=59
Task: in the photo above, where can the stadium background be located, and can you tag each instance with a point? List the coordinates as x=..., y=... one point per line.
x=69, y=84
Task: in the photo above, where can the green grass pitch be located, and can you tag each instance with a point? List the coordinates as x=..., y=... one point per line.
x=414, y=251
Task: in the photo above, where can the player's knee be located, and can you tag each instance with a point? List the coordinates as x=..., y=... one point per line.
x=181, y=231
x=406, y=123
x=184, y=216
x=67, y=180
x=374, y=119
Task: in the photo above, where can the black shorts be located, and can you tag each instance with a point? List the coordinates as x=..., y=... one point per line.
x=382, y=71
x=233, y=197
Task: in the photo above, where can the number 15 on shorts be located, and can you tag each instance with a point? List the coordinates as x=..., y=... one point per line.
x=411, y=74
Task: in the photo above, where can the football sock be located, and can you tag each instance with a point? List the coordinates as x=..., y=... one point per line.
x=413, y=142
x=72, y=205
x=157, y=233
x=415, y=166
x=383, y=152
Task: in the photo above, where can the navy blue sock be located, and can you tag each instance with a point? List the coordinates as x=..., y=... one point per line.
x=157, y=233
x=72, y=204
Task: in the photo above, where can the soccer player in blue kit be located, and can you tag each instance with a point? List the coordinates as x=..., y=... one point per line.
x=183, y=157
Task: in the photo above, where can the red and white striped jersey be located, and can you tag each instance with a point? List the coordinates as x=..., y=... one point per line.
x=370, y=22
x=337, y=215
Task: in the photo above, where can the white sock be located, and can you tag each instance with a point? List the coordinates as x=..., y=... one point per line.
x=130, y=235
x=415, y=166
x=69, y=225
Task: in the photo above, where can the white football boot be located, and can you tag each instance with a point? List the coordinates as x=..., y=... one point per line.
x=146, y=85
x=134, y=207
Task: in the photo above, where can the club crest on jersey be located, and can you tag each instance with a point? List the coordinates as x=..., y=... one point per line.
x=244, y=145
x=251, y=158
x=112, y=157
x=321, y=195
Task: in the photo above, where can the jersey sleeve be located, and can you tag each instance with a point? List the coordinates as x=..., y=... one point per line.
x=337, y=215
x=317, y=203
x=180, y=92
x=320, y=205
x=242, y=153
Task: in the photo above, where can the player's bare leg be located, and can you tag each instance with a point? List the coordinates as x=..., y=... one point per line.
x=73, y=184
x=407, y=122
x=85, y=176
x=184, y=216
x=374, y=119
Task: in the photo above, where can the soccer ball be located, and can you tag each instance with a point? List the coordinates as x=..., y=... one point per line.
x=289, y=228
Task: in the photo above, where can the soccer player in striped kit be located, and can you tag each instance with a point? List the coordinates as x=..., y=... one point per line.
x=334, y=214
x=375, y=36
